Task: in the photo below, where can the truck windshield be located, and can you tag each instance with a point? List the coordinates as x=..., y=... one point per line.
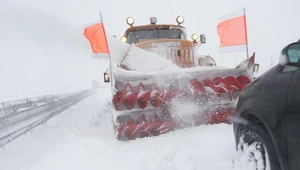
x=155, y=33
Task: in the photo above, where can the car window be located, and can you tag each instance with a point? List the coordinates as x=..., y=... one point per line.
x=294, y=55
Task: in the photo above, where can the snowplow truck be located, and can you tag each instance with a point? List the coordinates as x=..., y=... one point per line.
x=194, y=93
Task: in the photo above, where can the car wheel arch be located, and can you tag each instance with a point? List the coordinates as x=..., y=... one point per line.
x=254, y=119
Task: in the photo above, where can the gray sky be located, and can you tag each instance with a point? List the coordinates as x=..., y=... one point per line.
x=48, y=36
x=271, y=23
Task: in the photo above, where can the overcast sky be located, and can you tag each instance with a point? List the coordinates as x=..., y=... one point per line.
x=272, y=24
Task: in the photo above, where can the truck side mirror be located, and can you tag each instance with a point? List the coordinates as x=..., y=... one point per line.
x=202, y=38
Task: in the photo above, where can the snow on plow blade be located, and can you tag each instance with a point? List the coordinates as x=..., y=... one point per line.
x=153, y=104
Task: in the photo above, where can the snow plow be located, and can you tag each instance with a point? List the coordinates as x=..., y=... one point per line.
x=184, y=90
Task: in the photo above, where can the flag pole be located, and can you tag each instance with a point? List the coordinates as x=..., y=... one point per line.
x=246, y=32
x=105, y=37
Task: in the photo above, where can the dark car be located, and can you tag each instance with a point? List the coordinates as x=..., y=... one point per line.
x=267, y=114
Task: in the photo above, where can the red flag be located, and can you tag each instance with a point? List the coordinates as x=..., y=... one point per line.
x=97, y=37
x=233, y=32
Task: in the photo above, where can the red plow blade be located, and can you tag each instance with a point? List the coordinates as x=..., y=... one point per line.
x=153, y=104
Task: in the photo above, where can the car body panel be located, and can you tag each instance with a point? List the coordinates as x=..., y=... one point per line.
x=266, y=99
x=293, y=122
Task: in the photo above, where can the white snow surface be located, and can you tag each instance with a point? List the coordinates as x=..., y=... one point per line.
x=144, y=61
x=136, y=58
x=82, y=138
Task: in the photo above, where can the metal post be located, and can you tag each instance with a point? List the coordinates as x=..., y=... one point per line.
x=246, y=32
x=110, y=66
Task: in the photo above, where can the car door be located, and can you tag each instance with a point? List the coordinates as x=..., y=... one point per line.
x=293, y=122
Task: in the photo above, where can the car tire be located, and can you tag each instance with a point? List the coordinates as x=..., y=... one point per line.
x=256, y=147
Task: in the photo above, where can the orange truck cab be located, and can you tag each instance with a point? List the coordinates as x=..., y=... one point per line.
x=167, y=40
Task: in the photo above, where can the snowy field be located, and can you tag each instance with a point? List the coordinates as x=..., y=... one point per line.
x=82, y=138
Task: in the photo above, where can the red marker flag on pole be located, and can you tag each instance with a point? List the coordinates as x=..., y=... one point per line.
x=96, y=35
x=232, y=30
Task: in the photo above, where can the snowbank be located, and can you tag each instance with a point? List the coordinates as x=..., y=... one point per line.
x=142, y=63
x=71, y=142
x=136, y=59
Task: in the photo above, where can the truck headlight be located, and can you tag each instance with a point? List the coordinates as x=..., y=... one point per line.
x=180, y=19
x=130, y=21
x=194, y=37
x=123, y=39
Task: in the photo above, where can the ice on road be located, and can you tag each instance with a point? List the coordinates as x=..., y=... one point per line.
x=82, y=138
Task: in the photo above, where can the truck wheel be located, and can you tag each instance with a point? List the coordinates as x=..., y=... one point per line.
x=255, y=149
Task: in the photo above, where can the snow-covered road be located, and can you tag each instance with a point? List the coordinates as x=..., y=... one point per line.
x=81, y=138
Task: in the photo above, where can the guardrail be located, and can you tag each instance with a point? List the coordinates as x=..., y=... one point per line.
x=10, y=107
x=44, y=112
